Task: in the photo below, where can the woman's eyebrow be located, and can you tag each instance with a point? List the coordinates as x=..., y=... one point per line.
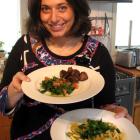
x=63, y=4
x=59, y=4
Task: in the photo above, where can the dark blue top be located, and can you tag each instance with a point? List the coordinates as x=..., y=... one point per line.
x=32, y=119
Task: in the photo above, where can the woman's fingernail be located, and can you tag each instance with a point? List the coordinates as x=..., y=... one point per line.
x=28, y=79
x=117, y=116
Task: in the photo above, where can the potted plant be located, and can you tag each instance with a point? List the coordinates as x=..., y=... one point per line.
x=1, y=44
x=2, y=52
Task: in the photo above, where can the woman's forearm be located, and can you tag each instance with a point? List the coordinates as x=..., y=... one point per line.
x=13, y=97
x=14, y=90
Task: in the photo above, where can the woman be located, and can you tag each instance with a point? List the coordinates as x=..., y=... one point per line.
x=56, y=35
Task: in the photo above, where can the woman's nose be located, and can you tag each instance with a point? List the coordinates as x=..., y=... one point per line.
x=54, y=16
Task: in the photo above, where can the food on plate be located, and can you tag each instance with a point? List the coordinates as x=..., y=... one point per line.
x=94, y=130
x=57, y=86
x=64, y=85
x=73, y=75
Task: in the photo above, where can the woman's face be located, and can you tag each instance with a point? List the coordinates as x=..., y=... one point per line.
x=57, y=16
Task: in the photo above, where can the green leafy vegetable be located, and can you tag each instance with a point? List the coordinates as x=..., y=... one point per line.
x=57, y=86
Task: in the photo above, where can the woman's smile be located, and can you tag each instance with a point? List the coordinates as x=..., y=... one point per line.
x=57, y=27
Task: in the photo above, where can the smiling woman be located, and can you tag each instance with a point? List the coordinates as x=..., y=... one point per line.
x=57, y=34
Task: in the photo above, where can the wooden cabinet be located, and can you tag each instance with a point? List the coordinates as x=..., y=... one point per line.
x=5, y=123
x=136, y=115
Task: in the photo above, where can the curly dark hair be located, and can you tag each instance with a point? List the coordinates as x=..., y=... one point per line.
x=81, y=26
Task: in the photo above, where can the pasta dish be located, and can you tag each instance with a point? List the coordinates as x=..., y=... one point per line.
x=94, y=130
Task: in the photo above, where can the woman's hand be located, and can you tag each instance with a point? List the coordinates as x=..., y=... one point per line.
x=17, y=80
x=14, y=89
x=119, y=111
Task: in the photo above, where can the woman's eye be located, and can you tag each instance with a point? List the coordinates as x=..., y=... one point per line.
x=45, y=9
x=62, y=8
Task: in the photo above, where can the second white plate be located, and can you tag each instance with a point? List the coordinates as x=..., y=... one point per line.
x=61, y=125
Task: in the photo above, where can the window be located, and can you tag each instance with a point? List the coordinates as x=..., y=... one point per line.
x=10, y=23
x=125, y=13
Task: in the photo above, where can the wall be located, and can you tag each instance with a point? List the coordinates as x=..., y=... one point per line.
x=9, y=23
x=23, y=15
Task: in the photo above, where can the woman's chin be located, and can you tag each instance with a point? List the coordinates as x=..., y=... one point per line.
x=57, y=35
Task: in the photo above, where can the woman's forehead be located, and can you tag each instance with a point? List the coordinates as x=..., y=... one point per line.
x=53, y=2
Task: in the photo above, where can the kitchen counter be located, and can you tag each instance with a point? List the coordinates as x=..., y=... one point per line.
x=131, y=71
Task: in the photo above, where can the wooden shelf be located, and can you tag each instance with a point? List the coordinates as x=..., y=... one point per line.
x=5, y=124
x=100, y=18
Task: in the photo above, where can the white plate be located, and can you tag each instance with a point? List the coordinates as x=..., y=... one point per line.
x=61, y=124
x=86, y=89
